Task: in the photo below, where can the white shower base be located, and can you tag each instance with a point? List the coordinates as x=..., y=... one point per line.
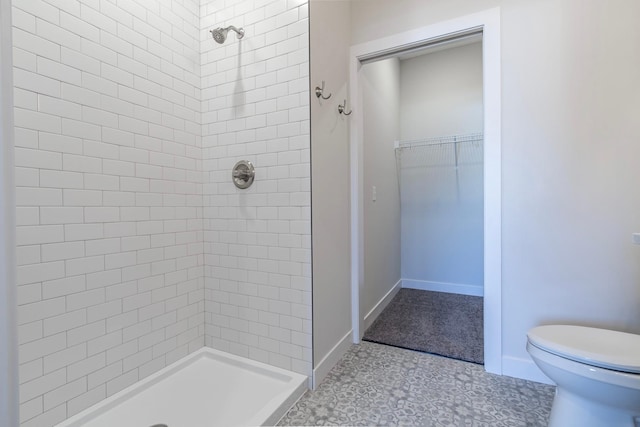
x=205, y=389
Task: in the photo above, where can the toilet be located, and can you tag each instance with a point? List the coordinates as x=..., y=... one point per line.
x=596, y=371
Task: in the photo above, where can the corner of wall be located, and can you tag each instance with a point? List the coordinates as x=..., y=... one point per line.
x=9, y=389
x=324, y=366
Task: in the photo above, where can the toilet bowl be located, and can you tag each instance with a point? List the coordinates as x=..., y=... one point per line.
x=596, y=371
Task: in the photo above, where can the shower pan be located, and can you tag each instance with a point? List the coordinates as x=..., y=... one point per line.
x=187, y=393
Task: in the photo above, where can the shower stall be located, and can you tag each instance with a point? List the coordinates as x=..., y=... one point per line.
x=134, y=247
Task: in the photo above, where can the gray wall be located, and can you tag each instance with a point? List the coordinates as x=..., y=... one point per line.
x=441, y=93
x=329, y=29
x=441, y=200
x=381, y=124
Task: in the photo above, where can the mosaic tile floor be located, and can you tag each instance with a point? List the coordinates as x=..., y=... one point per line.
x=375, y=384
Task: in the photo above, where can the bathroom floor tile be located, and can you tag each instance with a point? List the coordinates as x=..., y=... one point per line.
x=375, y=384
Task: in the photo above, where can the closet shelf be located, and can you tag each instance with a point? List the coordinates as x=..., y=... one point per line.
x=440, y=140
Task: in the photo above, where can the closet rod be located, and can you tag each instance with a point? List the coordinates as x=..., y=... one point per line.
x=440, y=140
x=469, y=34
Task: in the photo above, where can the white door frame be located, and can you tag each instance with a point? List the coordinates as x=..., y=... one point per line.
x=489, y=22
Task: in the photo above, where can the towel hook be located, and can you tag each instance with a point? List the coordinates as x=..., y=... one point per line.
x=320, y=92
x=342, y=107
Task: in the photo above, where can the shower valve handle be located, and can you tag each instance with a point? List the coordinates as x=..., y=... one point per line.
x=242, y=174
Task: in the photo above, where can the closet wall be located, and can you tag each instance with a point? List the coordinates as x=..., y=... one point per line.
x=441, y=93
x=442, y=185
x=381, y=126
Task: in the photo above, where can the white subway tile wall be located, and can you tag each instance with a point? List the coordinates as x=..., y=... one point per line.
x=109, y=196
x=134, y=247
x=255, y=106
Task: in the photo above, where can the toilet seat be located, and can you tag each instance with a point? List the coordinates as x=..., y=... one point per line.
x=603, y=348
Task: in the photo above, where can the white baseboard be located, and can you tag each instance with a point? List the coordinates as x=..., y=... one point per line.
x=330, y=360
x=381, y=305
x=452, y=288
x=525, y=369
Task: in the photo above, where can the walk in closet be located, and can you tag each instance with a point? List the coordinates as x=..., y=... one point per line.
x=423, y=199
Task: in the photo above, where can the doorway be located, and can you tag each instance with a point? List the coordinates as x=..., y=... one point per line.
x=423, y=204
x=486, y=23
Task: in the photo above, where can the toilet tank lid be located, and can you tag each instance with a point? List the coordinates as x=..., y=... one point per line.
x=597, y=347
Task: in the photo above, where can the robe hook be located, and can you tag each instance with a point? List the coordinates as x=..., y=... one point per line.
x=342, y=107
x=320, y=92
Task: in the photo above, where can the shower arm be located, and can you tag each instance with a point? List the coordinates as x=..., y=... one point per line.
x=239, y=31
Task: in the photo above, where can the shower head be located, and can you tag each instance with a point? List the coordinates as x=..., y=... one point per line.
x=220, y=34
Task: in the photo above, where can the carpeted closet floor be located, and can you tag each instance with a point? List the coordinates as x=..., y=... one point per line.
x=433, y=322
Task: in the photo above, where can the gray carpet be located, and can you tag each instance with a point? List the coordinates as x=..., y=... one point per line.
x=446, y=324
